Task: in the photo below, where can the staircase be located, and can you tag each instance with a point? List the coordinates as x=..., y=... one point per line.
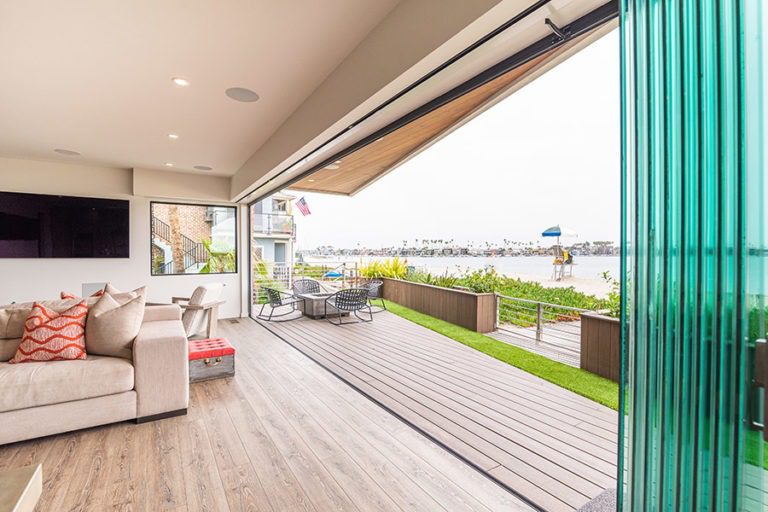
x=195, y=253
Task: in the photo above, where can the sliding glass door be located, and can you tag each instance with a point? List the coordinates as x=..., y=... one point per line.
x=695, y=242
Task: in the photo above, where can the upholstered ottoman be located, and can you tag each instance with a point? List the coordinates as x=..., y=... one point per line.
x=211, y=359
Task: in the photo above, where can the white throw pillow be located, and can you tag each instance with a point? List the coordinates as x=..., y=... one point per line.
x=122, y=296
x=113, y=323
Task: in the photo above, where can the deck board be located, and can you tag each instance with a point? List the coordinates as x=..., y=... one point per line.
x=553, y=447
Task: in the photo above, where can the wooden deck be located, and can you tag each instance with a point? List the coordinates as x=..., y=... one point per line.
x=553, y=447
x=283, y=435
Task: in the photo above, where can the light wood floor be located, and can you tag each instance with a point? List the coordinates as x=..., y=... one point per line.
x=555, y=448
x=284, y=435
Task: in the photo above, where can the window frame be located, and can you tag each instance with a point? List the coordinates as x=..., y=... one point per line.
x=201, y=205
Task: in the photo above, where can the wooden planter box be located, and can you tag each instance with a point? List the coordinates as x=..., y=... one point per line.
x=601, y=345
x=475, y=311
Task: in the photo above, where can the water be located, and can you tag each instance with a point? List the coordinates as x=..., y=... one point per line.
x=585, y=267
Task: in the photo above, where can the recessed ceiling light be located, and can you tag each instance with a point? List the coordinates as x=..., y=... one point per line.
x=173, y=136
x=67, y=152
x=168, y=164
x=337, y=162
x=311, y=181
x=332, y=167
x=181, y=82
x=203, y=168
x=242, y=94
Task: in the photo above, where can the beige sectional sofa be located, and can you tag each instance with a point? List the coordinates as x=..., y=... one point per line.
x=44, y=398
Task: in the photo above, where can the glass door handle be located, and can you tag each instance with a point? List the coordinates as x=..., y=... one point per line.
x=759, y=382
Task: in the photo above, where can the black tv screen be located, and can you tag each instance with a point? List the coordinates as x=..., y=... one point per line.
x=43, y=226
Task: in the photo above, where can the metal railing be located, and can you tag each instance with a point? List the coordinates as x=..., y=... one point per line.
x=272, y=223
x=193, y=253
x=540, y=322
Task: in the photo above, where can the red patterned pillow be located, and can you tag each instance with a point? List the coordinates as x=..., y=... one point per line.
x=51, y=336
x=67, y=295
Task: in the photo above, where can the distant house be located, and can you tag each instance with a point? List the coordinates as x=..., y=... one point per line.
x=274, y=235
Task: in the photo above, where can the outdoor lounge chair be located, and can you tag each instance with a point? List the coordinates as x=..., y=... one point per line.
x=278, y=299
x=349, y=300
x=375, y=293
x=306, y=286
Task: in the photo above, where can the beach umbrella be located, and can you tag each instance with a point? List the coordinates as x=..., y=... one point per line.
x=557, y=231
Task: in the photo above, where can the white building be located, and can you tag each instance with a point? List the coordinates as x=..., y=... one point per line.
x=273, y=235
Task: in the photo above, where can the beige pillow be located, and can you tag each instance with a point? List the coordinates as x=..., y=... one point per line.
x=12, y=322
x=113, y=324
x=123, y=297
x=8, y=349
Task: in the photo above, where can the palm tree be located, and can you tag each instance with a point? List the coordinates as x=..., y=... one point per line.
x=177, y=246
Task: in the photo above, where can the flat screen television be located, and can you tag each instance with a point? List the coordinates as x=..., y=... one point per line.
x=45, y=226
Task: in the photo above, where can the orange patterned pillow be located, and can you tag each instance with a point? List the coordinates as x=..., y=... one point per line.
x=67, y=295
x=51, y=336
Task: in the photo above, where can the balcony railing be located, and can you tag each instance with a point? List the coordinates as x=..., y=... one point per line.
x=272, y=223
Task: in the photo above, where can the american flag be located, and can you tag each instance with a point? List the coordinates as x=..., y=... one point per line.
x=303, y=207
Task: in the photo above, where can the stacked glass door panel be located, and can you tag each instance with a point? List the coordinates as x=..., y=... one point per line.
x=693, y=224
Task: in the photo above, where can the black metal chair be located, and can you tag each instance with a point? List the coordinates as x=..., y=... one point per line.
x=277, y=299
x=374, y=293
x=349, y=300
x=306, y=286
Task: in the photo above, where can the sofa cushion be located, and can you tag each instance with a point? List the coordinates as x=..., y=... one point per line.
x=8, y=348
x=123, y=297
x=113, y=325
x=12, y=322
x=50, y=336
x=35, y=384
x=57, y=305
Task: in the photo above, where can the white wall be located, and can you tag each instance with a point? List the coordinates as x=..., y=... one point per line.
x=37, y=279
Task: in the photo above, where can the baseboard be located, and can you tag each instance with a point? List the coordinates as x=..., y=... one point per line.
x=161, y=416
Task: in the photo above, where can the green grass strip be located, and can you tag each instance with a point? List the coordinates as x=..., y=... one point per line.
x=584, y=383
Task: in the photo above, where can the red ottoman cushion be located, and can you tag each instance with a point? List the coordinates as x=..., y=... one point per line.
x=206, y=349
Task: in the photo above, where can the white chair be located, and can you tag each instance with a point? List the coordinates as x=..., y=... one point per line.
x=201, y=310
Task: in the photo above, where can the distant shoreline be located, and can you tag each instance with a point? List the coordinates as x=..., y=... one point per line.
x=586, y=279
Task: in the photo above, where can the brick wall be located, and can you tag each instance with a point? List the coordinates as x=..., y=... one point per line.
x=191, y=219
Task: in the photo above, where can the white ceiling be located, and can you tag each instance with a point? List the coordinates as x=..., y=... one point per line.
x=95, y=76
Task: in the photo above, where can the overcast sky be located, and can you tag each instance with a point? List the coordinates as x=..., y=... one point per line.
x=548, y=154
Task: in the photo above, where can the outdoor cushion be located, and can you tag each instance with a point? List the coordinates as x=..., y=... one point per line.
x=52, y=336
x=43, y=383
x=8, y=348
x=112, y=326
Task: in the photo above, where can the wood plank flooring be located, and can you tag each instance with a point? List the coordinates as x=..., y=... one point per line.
x=283, y=435
x=553, y=447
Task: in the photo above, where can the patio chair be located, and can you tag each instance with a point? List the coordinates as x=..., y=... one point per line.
x=375, y=293
x=306, y=286
x=201, y=310
x=277, y=299
x=349, y=300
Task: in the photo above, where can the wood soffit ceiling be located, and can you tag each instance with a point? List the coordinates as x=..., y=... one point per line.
x=367, y=164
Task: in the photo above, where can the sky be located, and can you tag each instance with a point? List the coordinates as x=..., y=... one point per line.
x=548, y=154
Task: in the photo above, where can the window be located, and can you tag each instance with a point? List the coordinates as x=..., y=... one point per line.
x=193, y=239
